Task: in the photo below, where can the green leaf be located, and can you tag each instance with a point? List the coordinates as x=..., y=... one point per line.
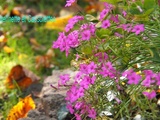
x=148, y=4
x=114, y=2
x=121, y=19
x=102, y=33
x=155, y=55
x=90, y=17
x=86, y=49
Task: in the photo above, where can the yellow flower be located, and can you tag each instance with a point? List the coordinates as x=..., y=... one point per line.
x=128, y=45
x=21, y=109
x=8, y=49
x=59, y=23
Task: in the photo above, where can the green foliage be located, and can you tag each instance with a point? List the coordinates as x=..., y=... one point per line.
x=18, y=38
x=114, y=2
x=127, y=50
x=10, y=99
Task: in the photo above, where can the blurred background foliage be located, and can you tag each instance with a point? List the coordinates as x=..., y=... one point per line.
x=30, y=43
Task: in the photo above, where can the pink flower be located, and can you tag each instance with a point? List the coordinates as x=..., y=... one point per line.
x=64, y=78
x=150, y=95
x=133, y=77
x=86, y=34
x=84, y=27
x=70, y=108
x=78, y=76
x=114, y=18
x=106, y=24
x=124, y=13
x=137, y=29
x=107, y=70
x=92, y=68
x=103, y=14
x=118, y=35
x=150, y=78
x=127, y=72
x=92, y=113
x=147, y=81
x=84, y=108
x=78, y=105
x=101, y=56
x=149, y=73
x=69, y=3
x=126, y=27
x=84, y=68
x=69, y=27
x=77, y=56
x=74, y=93
x=118, y=100
x=92, y=28
x=78, y=117
x=72, y=39
x=158, y=78
x=86, y=81
x=62, y=43
x=108, y=6
x=72, y=22
x=93, y=79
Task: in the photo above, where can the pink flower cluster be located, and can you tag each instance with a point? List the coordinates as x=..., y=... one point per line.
x=72, y=22
x=151, y=80
x=84, y=79
x=137, y=29
x=73, y=39
x=89, y=73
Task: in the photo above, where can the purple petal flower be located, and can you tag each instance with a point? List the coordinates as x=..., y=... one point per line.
x=133, y=77
x=108, y=6
x=70, y=108
x=101, y=56
x=72, y=22
x=126, y=27
x=114, y=18
x=86, y=34
x=118, y=35
x=124, y=13
x=106, y=24
x=78, y=105
x=103, y=14
x=92, y=113
x=92, y=67
x=69, y=3
x=137, y=29
x=158, y=79
x=150, y=95
x=72, y=39
x=84, y=68
x=64, y=78
x=78, y=117
x=147, y=81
